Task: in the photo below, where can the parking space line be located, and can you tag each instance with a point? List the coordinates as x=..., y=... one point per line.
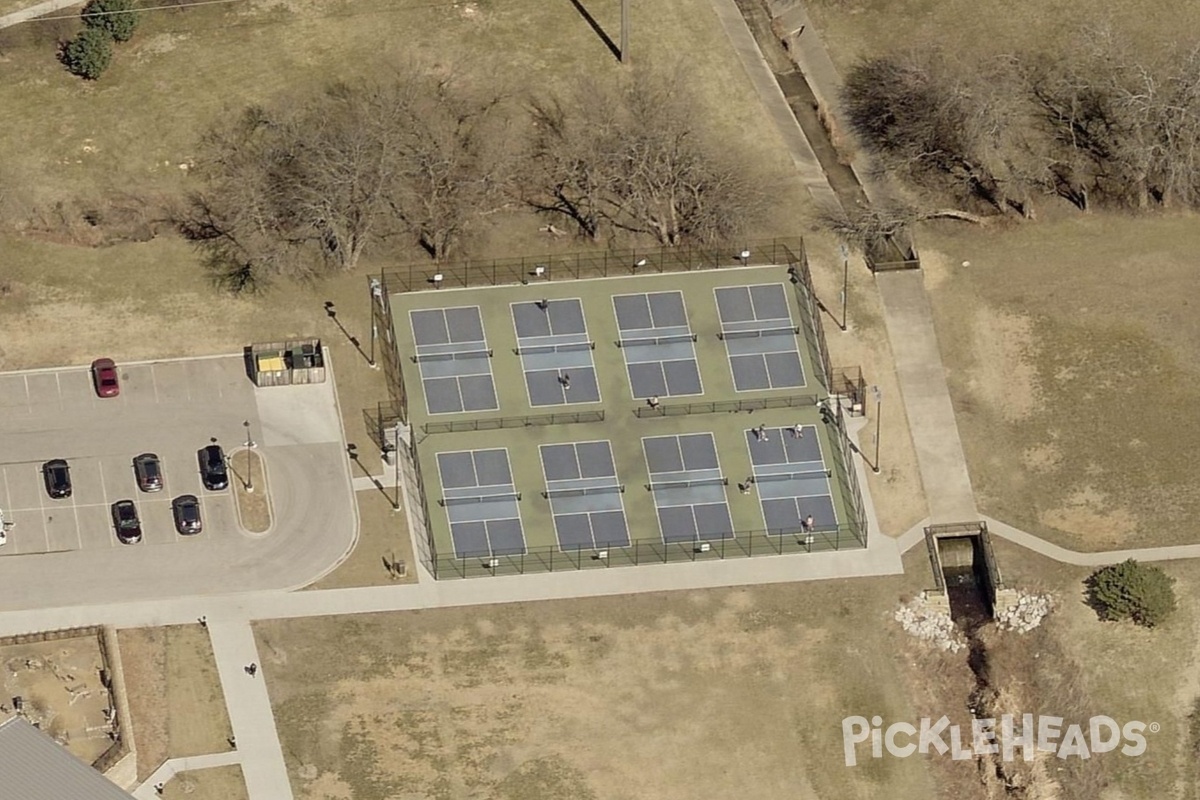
x=58, y=386
x=78, y=531
x=45, y=525
x=104, y=492
x=28, y=399
x=154, y=383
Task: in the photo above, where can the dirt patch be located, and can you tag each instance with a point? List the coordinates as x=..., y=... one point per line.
x=251, y=489
x=175, y=694
x=1003, y=375
x=607, y=698
x=1088, y=513
x=60, y=689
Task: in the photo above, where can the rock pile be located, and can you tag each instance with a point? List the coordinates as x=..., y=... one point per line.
x=930, y=624
x=1026, y=613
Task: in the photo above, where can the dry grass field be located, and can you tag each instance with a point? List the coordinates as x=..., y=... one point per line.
x=714, y=694
x=175, y=694
x=853, y=29
x=1129, y=673
x=1071, y=347
x=218, y=783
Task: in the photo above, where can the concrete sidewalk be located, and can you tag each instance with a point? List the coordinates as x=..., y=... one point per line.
x=918, y=359
x=35, y=11
x=249, y=708
x=775, y=104
x=173, y=767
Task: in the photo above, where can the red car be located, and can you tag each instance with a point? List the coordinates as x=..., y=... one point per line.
x=104, y=375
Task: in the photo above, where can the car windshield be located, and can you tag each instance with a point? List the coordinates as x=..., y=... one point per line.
x=189, y=512
x=108, y=379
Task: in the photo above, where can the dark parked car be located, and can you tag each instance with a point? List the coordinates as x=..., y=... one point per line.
x=212, y=467
x=104, y=375
x=187, y=514
x=57, y=474
x=148, y=469
x=126, y=521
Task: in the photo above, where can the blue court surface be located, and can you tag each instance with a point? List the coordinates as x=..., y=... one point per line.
x=658, y=343
x=791, y=478
x=585, y=495
x=556, y=354
x=760, y=337
x=481, y=503
x=688, y=487
x=454, y=358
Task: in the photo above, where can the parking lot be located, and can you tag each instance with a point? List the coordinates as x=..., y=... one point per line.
x=169, y=408
x=65, y=552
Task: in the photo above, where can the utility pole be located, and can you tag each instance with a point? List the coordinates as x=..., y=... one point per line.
x=376, y=297
x=624, y=31
x=396, y=468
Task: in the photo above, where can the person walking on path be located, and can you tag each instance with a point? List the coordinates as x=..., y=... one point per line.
x=252, y=669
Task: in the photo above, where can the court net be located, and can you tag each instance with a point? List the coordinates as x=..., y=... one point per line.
x=648, y=340
x=686, y=484
x=759, y=333
x=793, y=476
x=573, y=347
x=480, y=498
x=460, y=355
x=583, y=491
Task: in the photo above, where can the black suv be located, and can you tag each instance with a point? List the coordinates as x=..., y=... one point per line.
x=212, y=468
x=57, y=474
x=126, y=521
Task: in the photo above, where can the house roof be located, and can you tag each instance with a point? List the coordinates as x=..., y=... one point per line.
x=35, y=767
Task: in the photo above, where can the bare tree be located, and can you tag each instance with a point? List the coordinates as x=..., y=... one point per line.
x=457, y=157
x=1125, y=127
x=950, y=125
x=636, y=158
x=310, y=190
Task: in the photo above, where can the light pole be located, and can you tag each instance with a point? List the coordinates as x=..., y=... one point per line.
x=376, y=297
x=845, y=281
x=878, y=419
x=249, y=442
x=396, y=468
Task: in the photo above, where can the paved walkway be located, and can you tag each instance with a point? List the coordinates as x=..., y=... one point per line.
x=906, y=307
x=249, y=706
x=41, y=9
x=775, y=103
x=175, y=766
x=918, y=360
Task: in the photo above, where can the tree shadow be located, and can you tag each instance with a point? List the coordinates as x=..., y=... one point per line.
x=604, y=37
